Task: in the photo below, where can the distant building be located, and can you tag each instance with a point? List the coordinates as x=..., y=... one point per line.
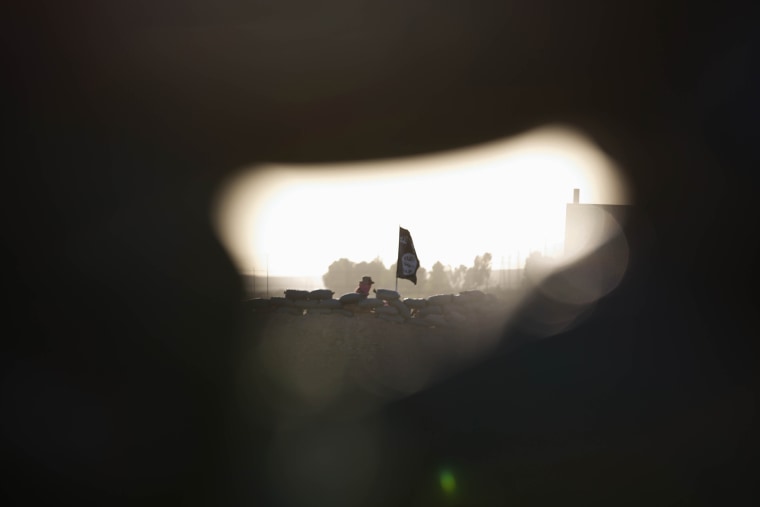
x=605, y=245
x=587, y=226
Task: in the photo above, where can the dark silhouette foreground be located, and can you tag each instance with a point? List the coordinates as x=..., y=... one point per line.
x=125, y=349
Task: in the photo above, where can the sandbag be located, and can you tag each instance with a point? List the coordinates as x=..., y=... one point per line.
x=474, y=294
x=306, y=304
x=415, y=303
x=461, y=300
x=386, y=310
x=403, y=309
x=329, y=303
x=351, y=297
x=440, y=299
x=321, y=294
x=295, y=294
x=387, y=294
x=431, y=310
x=371, y=303
x=456, y=317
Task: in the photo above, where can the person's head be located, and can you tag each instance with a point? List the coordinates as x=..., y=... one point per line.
x=367, y=279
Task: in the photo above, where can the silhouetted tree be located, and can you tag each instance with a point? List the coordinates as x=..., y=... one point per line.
x=457, y=277
x=478, y=275
x=536, y=266
x=343, y=275
x=422, y=280
x=340, y=276
x=438, y=281
x=375, y=268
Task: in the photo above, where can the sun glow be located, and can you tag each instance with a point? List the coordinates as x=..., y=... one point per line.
x=507, y=198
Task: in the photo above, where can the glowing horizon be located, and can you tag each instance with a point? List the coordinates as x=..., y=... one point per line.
x=507, y=198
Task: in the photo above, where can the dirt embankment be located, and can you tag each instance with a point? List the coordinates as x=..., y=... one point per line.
x=316, y=362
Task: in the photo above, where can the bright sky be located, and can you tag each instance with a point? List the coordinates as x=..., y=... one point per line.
x=507, y=198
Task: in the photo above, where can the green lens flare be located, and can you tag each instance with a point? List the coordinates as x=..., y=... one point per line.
x=448, y=484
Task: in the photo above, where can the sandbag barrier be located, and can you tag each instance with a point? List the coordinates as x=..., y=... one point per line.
x=435, y=311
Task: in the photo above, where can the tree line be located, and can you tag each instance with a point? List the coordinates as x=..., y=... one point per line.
x=343, y=276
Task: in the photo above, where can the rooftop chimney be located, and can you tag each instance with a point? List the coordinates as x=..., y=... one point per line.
x=576, y=195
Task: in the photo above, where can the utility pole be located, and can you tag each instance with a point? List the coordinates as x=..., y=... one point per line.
x=501, y=275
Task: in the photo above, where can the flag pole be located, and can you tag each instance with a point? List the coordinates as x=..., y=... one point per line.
x=397, y=246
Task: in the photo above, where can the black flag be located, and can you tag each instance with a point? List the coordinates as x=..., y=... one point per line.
x=407, y=263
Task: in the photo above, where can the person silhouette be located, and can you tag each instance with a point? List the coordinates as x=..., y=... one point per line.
x=365, y=285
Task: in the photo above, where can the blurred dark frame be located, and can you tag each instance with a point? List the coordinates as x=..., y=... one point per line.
x=122, y=307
